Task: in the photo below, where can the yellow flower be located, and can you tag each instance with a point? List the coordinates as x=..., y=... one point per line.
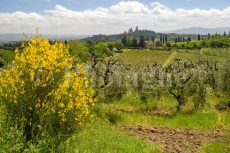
x=61, y=105
x=41, y=79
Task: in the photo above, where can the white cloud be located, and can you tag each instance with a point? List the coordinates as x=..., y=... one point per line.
x=114, y=19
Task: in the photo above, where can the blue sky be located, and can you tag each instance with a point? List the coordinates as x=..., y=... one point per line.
x=86, y=17
x=41, y=5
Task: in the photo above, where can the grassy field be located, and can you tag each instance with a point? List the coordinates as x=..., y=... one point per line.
x=100, y=136
x=125, y=112
x=147, y=56
x=131, y=110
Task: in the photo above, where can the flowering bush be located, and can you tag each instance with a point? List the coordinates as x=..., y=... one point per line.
x=43, y=93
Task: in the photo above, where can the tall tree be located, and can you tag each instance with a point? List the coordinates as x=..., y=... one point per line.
x=199, y=37
x=124, y=41
x=166, y=38
x=153, y=38
x=161, y=39
x=135, y=44
x=176, y=39
x=142, y=42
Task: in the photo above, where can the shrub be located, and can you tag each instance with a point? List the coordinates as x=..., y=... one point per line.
x=2, y=62
x=43, y=95
x=115, y=90
x=226, y=77
x=190, y=84
x=80, y=51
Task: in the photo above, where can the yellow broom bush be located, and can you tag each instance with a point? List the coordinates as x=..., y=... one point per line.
x=43, y=93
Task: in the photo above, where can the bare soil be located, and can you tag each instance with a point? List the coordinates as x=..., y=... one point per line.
x=153, y=111
x=174, y=140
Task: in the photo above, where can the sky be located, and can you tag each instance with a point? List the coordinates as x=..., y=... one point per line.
x=87, y=17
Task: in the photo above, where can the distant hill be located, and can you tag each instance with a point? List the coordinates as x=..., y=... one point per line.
x=130, y=33
x=200, y=30
x=148, y=35
x=9, y=37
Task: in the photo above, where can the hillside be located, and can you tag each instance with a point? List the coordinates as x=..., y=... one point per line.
x=200, y=30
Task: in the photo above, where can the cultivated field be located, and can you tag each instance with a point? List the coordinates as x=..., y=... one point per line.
x=149, y=56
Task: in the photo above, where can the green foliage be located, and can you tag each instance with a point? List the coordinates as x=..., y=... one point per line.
x=217, y=42
x=101, y=50
x=226, y=76
x=115, y=91
x=158, y=43
x=2, y=63
x=118, y=45
x=142, y=42
x=80, y=51
x=6, y=57
x=41, y=99
x=84, y=52
x=11, y=140
x=129, y=41
x=199, y=98
x=148, y=88
x=168, y=45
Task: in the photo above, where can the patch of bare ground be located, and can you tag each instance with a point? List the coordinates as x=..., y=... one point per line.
x=153, y=111
x=174, y=140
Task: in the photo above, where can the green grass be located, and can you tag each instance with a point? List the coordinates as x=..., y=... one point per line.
x=221, y=146
x=132, y=101
x=101, y=137
x=145, y=56
x=201, y=120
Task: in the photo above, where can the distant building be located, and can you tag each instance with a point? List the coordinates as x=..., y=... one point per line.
x=130, y=31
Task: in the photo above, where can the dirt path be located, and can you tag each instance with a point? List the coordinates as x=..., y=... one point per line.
x=174, y=140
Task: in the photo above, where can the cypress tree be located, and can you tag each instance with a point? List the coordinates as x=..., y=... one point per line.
x=135, y=42
x=166, y=38
x=124, y=41
x=153, y=38
x=199, y=38
x=142, y=42
x=161, y=38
